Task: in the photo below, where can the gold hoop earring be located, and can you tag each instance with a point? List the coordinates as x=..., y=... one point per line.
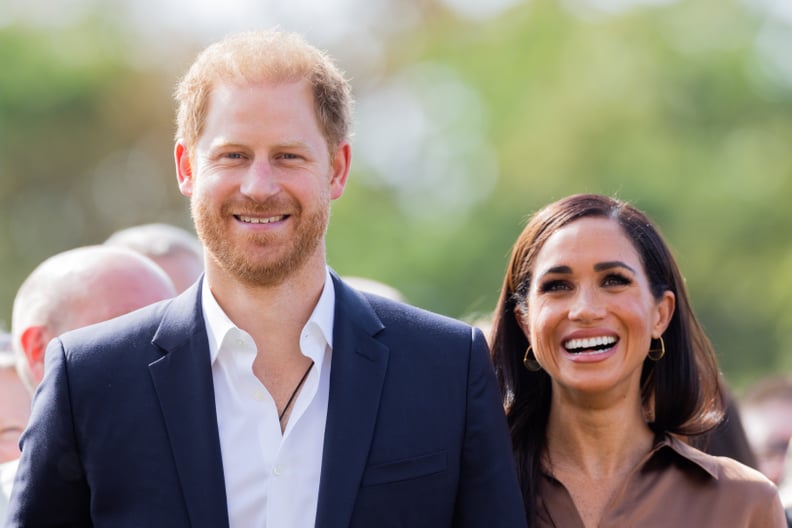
x=529, y=360
x=656, y=354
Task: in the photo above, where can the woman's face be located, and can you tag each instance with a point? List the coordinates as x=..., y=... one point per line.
x=591, y=314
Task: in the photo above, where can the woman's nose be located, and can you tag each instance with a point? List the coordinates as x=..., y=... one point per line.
x=587, y=304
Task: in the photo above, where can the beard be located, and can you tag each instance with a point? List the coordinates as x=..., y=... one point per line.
x=272, y=259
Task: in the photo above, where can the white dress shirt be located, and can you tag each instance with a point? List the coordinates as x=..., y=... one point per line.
x=271, y=478
x=7, y=473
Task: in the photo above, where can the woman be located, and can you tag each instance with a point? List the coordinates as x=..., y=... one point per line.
x=604, y=368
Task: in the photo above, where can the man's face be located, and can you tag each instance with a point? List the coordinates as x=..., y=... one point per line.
x=769, y=429
x=260, y=180
x=14, y=413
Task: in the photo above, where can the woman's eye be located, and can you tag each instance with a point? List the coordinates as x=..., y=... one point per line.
x=553, y=286
x=616, y=279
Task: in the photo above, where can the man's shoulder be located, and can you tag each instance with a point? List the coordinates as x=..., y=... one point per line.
x=122, y=347
x=141, y=335
x=399, y=313
x=375, y=313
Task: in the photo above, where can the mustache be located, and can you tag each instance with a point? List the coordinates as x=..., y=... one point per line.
x=248, y=206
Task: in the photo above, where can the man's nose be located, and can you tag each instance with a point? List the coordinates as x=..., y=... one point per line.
x=260, y=181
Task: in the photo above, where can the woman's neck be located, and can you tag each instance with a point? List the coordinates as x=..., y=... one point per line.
x=597, y=441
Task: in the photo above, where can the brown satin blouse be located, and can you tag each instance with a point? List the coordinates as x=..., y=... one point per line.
x=675, y=486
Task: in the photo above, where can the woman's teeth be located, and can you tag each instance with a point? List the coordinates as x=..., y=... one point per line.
x=594, y=344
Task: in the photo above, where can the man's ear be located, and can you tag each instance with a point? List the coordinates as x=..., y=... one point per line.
x=340, y=164
x=34, y=341
x=184, y=172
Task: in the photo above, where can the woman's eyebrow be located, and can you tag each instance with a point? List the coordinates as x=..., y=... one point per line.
x=602, y=266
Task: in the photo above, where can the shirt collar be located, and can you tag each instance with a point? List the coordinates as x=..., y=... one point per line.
x=704, y=461
x=323, y=315
x=218, y=324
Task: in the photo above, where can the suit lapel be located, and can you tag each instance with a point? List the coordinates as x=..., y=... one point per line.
x=356, y=378
x=183, y=381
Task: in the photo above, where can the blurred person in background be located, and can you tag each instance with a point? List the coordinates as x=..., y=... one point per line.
x=602, y=363
x=785, y=489
x=69, y=290
x=14, y=413
x=270, y=393
x=14, y=407
x=376, y=287
x=766, y=407
x=728, y=438
x=76, y=288
x=176, y=250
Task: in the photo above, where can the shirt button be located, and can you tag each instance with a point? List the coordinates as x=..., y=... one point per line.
x=276, y=471
x=241, y=342
x=258, y=395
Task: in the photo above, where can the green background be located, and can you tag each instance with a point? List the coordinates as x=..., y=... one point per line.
x=465, y=126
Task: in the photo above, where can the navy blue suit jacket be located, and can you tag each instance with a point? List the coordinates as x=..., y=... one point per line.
x=124, y=429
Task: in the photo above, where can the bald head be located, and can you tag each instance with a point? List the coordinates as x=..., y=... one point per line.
x=76, y=288
x=375, y=286
x=176, y=250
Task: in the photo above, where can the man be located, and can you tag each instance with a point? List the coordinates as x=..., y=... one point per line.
x=176, y=250
x=14, y=413
x=374, y=286
x=14, y=407
x=766, y=409
x=74, y=288
x=270, y=393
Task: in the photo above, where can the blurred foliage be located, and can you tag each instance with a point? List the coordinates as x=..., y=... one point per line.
x=670, y=107
x=85, y=146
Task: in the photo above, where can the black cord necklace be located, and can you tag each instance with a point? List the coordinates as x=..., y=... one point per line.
x=294, y=392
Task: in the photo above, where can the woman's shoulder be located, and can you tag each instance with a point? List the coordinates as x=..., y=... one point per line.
x=734, y=492
x=723, y=469
x=730, y=470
